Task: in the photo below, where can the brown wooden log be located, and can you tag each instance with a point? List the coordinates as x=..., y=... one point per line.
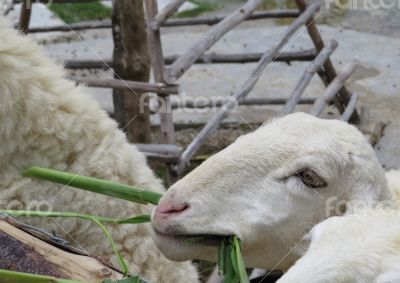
x=307, y=76
x=179, y=67
x=22, y=252
x=249, y=84
x=208, y=58
x=25, y=16
x=131, y=62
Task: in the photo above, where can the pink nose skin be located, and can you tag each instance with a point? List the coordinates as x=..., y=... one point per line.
x=168, y=209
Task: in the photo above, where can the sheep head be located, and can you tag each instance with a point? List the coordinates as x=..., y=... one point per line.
x=269, y=187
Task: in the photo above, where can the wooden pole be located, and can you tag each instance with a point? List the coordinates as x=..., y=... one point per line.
x=179, y=67
x=129, y=85
x=170, y=22
x=157, y=61
x=307, y=76
x=210, y=58
x=131, y=62
x=332, y=90
x=224, y=111
x=168, y=11
x=25, y=16
x=343, y=97
x=192, y=103
x=350, y=107
x=258, y=15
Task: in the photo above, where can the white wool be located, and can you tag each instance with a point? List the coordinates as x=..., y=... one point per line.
x=47, y=121
x=364, y=247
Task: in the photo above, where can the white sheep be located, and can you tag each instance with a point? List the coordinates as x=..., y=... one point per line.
x=47, y=121
x=364, y=247
x=270, y=188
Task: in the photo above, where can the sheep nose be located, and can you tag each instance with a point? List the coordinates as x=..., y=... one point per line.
x=165, y=209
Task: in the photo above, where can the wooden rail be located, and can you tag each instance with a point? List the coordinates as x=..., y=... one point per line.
x=168, y=23
x=132, y=85
x=208, y=58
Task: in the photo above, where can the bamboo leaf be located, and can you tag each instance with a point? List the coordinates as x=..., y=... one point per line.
x=95, y=185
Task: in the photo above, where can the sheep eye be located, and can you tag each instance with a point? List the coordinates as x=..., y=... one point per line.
x=310, y=178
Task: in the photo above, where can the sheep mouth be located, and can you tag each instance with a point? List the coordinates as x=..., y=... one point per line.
x=195, y=239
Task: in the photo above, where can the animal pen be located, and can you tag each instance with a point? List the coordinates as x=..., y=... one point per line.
x=168, y=70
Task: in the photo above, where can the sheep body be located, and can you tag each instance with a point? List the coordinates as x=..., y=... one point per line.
x=364, y=247
x=47, y=121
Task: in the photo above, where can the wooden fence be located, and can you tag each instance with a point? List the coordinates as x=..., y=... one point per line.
x=168, y=69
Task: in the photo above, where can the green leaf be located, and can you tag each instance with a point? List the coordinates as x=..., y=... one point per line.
x=134, y=279
x=7, y=276
x=241, y=269
x=95, y=185
x=135, y=220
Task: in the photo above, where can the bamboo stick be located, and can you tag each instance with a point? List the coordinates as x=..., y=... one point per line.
x=125, y=84
x=350, y=107
x=268, y=57
x=307, y=76
x=210, y=58
x=168, y=11
x=179, y=67
x=332, y=90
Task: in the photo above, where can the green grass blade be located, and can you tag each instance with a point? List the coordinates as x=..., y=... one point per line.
x=7, y=276
x=120, y=259
x=241, y=269
x=221, y=258
x=94, y=185
x=135, y=220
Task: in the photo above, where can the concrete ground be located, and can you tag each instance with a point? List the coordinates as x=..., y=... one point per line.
x=377, y=79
